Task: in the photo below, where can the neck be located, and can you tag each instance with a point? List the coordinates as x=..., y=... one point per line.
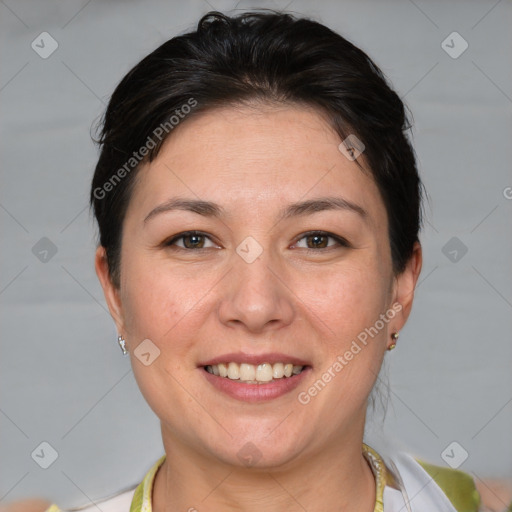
x=187, y=481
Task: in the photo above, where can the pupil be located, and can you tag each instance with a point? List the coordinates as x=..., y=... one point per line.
x=317, y=240
x=194, y=240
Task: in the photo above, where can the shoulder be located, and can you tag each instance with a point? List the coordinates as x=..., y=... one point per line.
x=448, y=489
x=119, y=503
x=458, y=486
x=27, y=505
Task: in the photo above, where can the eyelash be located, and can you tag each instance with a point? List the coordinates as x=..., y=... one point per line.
x=339, y=240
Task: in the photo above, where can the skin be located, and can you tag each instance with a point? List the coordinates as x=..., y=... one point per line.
x=295, y=298
x=27, y=505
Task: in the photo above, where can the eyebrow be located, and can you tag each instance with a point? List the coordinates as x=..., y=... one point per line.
x=210, y=209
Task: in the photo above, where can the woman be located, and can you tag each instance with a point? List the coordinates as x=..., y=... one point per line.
x=259, y=206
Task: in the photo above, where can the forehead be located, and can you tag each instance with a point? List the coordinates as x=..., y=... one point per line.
x=259, y=156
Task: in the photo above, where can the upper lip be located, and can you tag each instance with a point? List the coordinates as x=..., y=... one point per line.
x=255, y=359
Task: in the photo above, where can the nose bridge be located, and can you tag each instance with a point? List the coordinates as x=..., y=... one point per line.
x=256, y=293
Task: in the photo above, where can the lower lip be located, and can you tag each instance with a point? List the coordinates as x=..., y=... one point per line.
x=256, y=392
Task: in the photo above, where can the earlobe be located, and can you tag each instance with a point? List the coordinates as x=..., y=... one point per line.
x=110, y=292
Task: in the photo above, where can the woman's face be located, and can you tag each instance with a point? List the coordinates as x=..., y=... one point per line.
x=256, y=285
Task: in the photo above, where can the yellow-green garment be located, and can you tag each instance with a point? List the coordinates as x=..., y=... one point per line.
x=458, y=486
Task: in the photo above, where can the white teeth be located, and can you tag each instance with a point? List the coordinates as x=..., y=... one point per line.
x=233, y=371
x=223, y=369
x=264, y=372
x=278, y=370
x=251, y=374
x=247, y=372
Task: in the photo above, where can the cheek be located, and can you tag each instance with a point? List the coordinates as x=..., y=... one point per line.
x=347, y=300
x=158, y=302
x=344, y=306
x=163, y=307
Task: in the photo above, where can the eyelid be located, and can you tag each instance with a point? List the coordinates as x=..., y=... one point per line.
x=342, y=242
x=171, y=242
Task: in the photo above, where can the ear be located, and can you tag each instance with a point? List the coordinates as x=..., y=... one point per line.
x=403, y=288
x=112, y=294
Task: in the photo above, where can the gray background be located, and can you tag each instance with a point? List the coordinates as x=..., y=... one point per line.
x=63, y=378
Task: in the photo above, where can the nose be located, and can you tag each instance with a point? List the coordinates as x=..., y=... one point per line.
x=256, y=296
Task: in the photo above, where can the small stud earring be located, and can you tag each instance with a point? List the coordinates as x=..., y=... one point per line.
x=394, y=337
x=122, y=344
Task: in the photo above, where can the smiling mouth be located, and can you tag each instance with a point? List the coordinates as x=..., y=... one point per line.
x=254, y=374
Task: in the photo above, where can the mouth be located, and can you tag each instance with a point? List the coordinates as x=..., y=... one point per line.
x=255, y=378
x=247, y=373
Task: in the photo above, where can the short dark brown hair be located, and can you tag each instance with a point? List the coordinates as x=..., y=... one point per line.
x=268, y=56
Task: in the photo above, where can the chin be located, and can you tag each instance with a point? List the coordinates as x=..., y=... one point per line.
x=259, y=449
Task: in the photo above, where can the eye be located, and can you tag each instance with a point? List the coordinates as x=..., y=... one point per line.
x=190, y=240
x=319, y=240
